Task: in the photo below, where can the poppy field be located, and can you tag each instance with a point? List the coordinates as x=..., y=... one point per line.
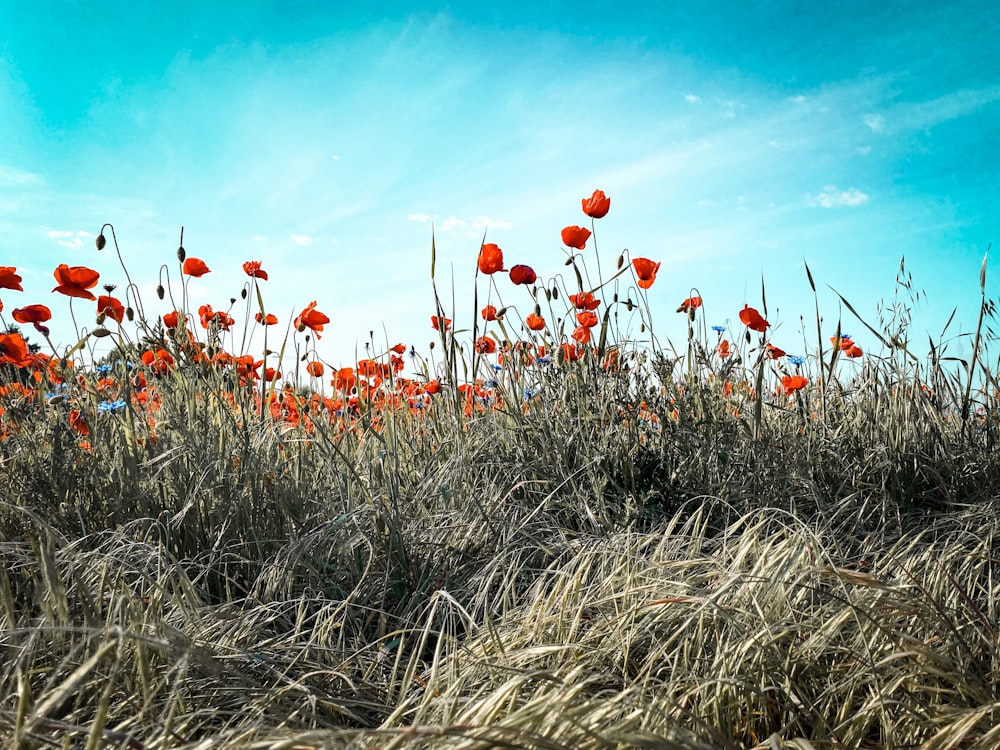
x=552, y=528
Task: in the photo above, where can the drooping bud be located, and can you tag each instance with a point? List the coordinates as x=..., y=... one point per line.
x=555, y=292
x=130, y=314
x=160, y=291
x=101, y=241
x=621, y=261
x=243, y=293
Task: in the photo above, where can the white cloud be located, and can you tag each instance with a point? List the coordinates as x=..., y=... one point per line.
x=422, y=218
x=56, y=234
x=485, y=222
x=12, y=177
x=832, y=197
x=452, y=222
x=334, y=157
x=875, y=122
x=72, y=240
x=800, y=99
x=692, y=98
x=258, y=238
x=301, y=239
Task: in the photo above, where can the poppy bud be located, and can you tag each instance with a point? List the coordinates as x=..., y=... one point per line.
x=100, y=333
x=130, y=314
x=100, y=318
x=569, y=261
x=642, y=328
x=538, y=310
x=304, y=357
x=243, y=293
x=555, y=292
x=160, y=291
x=62, y=363
x=55, y=400
x=431, y=344
x=181, y=254
x=501, y=312
x=615, y=297
x=101, y=242
x=232, y=300
x=548, y=296
x=621, y=261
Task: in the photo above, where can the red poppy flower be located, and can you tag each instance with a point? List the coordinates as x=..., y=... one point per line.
x=645, y=271
x=587, y=319
x=535, y=322
x=581, y=334
x=853, y=351
x=485, y=345
x=575, y=237
x=195, y=267
x=207, y=315
x=252, y=268
x=311, y=318
x=689, y=305
x=490, y=259
x=75, y=281
x=774, y=352
x=9, y=278
x=597, y=205
x=441, y=324
x=13, y=350
x=266, y=320
x=724, y=349
x=792, y=383
x=570, y=352
x=432, y=386
x=32, y=314
x=398, y=348
x=344, y=380
x=159, y=361
x=315, y=369
x=523, y=275
x=584, y=301
x=489, y=313
x=171, y=319
x=78, y=423
x=752, y=319
x=271, y=374
x=111, y=307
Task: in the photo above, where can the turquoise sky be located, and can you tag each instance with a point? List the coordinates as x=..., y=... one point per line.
x=736, y=141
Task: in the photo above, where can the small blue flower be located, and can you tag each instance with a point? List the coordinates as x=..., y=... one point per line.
x=102, y=369
x=718, y=329
x=529, y=393
x=497, y=368
x=492, y=383
x=543, y=360
x=111, y=406
x=796, y=360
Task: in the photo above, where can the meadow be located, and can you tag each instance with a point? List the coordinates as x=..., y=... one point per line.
x=554, y=530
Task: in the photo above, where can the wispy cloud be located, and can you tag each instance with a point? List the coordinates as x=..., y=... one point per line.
x=692, y=98
x=13, y=177
x=832, y=197
x=302, y=239
x=909, y=116
x=72, y=240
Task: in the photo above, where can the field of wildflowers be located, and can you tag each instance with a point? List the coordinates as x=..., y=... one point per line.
x=539, y=534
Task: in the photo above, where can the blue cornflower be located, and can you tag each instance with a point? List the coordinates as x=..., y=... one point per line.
x=718, y=329
x=103, y=368
x=497, y=368
x=543, y=360
x=529, y=393
x=796, y=360
x=111, y=406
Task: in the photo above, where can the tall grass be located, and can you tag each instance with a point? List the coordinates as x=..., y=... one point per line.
x=645, y=546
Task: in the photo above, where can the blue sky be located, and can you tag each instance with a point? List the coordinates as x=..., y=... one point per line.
x=736, y=140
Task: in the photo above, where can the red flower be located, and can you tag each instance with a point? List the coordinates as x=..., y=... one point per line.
x=535, y=322
x=597, y=205
x=575, y=237
x=584, y=301
x=689, y=305
x=78, y=423
x=441, y=324
x=111, y=307
x=645, y=271
x=159, y=361
x=344, y=380
x=9, y=278
x=398, y=348
x=13, y=350
x=315, y=369
x=752, y=319
x=252, y=268
x=570, y=352
x=311, y=318
x=853, y=351
x=195, y=267
x=588, y=319
x=32, y=314
x=485, y=345
x=774, y=352
x=490, y=258
x=581, y=334
x=523, y=275
x=792, y=383
x=266, y=320
x=207, y=315
x=171, y=319
x=75, y=281
x=724, y=349
x=489, y=313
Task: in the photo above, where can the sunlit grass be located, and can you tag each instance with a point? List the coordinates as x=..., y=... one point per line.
x=588, y=537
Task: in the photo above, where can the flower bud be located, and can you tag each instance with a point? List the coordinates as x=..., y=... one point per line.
x=181, y=254
x=101, y=242
x=243, y=293
x=555, y=292
x=160, y=291
x=621, y=261
x=130, y=314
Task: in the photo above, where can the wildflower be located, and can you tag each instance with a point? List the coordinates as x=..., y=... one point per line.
x=535, y=322
x=570, y=353
x=774, y=352
x=75, y=281
x=344, y=380
x=489, y=313
x=752, y=319
x=645, y=270
x=315, y=369
x=311, y=318
x=109, y=407
x=719, y=329
x=581, y=334
x=398, y=348
x=587, y=319
x=195, y=267
x=171, y=319
x=490, y=258
x=32, y=314
x=575, y=237
x=207, y=316
x=689, y=305
x=724, y=349
x=597, y=205
x=793, y=383
x=159, y=361
x=485, y=345
x=441, y=324
x=853, y=351
x=252, y=268
x=13, y=350
x=523, y=275
x=584, y=301
x=78, y=423
x=266, y=320
x=9, y=278
x=111, y=307
x=796, y=360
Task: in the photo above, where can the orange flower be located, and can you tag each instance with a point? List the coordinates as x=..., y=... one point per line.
x=441, y=324
x=78, y=423
x=584, y=301
x=792, y=383
x=571, y=353
x=13, y=350
x=311, y=318
x=315, y=368
x=75, y=281
x=398, y=348
x=724, y=349
x=32, y=314
x=490, y=259
x=252, y=268
x=535, y=322
x=581, y=334
x=645, y=271
x=344, y=380
x=159, y=361
x=597, y=205
x=752, y=319
x=485, y=345
x=774, y=352
x=689, y=305
x=266, y=320
x=575, y=237
x=171, y=319
x=207, y=315
x=853, y=351
x=587, y=319
x=9, y=278
x=195, y=267
x=432, y=387
x=111, y=307
x=489, y=313
x=523, y=275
